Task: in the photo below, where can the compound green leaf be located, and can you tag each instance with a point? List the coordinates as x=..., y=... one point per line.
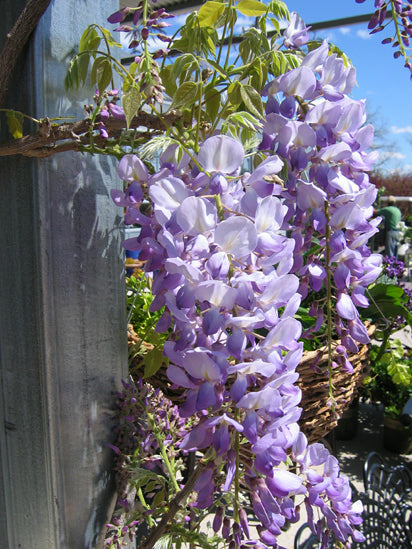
x=89, y=40
x=131, y=102
x=252, y=8
x=252, y=100
x=185, y=95
x=209, y=13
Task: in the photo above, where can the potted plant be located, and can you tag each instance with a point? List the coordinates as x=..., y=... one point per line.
x=389, y=384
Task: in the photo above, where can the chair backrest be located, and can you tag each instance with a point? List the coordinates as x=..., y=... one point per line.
x=387, y=521
x=378, y=476
x=305, y=539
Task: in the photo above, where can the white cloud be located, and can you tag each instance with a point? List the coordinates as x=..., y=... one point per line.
x=363, y=33
x=406, y=129
x=344, y=30
x=391, y=154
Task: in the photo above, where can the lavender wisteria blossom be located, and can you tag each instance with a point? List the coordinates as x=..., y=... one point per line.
x=232, y=255
x=324, y=141
x=214, y=242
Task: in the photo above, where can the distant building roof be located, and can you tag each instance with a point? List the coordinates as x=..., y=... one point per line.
x=171, y=5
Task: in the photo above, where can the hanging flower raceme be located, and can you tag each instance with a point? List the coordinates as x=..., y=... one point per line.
x=214, y=242
x=323, y=140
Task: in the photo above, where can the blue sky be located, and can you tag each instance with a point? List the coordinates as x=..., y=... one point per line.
x=381, y=79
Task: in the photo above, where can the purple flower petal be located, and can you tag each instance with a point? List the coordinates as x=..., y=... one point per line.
x=206, y=396
x=236, y=236
x=345, y=307
x=196, y=215
x=221, y=153
x=131, y=168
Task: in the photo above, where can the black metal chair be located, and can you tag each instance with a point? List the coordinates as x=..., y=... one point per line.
x=305, y=539
x=378, y=476
x=386, y=520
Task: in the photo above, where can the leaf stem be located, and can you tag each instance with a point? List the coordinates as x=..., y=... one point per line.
x=172, y=475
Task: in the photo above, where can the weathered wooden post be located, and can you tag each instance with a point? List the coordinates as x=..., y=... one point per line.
x=62, y=337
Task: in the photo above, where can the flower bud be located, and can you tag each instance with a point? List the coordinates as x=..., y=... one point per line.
x=217, y=520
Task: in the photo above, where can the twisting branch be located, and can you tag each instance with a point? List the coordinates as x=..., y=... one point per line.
x=174, y=507
x=75, y=135
x=16, y=40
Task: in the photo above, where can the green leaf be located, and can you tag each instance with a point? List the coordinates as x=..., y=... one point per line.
x=101, y=73
x=399, y=372
x=156, y=146
x=72, y=76
x=251, y=8
x=234, y=93
x=165, y=542
x=152, y=362
x=217, y=68
x=15, y=123
x=279, y=9
x=197, y=39
x=110, y=40
x=89, y=40
x=83, y=67
x=184, y=66
x=212, y=102
x=254, y=43
x=159, y=499
x=143, y=476
x=168, y=80
x=245, y=120
x=386, y=301
x=209, y=13
x=252, y=100
x=259, y=74
x=131, y=102
x=186, y=95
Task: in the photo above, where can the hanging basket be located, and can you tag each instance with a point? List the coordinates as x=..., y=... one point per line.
x=318, y=416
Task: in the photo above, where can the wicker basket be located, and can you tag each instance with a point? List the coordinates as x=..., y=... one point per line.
x=318, y=417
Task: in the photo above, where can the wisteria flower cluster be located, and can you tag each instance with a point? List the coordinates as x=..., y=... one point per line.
x=232, y=255
x=321, y=136
x=147, y=428
x=258, y=206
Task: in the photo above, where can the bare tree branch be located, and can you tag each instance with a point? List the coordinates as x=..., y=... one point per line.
x=16, y=40
x=74, y=135
x=174, y=506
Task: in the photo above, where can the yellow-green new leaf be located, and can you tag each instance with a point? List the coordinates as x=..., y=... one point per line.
x=152, y=362
x=89, y=40
x=15, y=123
x=251, y=99
x=131, y=102
x=209, y=13
x=251, y=8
